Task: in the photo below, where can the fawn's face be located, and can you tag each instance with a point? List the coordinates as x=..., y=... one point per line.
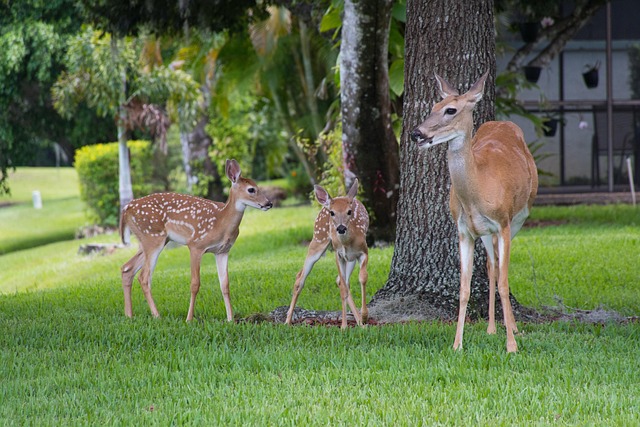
x=248, y=193
x=245, y=191
x=341, y=210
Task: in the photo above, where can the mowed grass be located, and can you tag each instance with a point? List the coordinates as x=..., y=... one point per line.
x=22, y=226
x=70, y=357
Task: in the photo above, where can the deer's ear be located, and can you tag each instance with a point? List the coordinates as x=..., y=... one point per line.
x=444, y=88
x=353, y=191
x=477, y=90
x=322, y=196
x=233, y=170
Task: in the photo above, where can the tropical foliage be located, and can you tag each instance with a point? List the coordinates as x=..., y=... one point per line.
x=95, y=70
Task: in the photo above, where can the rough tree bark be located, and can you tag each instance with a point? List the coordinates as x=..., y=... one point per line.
x=370, y=148
x=457, y=41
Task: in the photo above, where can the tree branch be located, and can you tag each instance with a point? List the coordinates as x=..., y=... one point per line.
x=558, y=34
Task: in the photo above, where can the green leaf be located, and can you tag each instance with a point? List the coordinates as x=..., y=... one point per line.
x=399, y=11
x=331, y=20
x=396, y=77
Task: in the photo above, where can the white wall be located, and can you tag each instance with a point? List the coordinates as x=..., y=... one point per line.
x=578, y=142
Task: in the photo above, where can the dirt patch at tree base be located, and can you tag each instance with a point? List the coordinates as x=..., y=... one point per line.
x=416, y=309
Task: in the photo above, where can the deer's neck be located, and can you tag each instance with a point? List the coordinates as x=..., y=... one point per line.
x=462, y=166
x=232, y=212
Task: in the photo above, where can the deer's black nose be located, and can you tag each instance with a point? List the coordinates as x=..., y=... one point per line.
x=416, y=135
x=341, y=229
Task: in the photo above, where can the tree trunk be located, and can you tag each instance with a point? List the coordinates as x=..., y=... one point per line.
x=370, y=148
x=186, y=159
x=125, y=189
x=199, y=143
x=457, y=41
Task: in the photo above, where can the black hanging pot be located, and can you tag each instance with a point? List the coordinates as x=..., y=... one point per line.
x=528, y=31
x=591, y=76
x=550, y=127
x=532, y=73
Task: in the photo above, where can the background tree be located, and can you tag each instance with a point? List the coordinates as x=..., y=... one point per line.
x=121, y=18
x=198, y=55
x=369, y=145
x=126, y=92
x=287, y=62
x=457, y=41
x=33, y=37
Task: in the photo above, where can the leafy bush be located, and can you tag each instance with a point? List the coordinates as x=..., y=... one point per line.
x=97, y=167
x=248, y=132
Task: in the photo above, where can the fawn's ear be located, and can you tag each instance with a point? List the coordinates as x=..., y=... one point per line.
x=322, y=196
x=353, y=191
x=233, y=170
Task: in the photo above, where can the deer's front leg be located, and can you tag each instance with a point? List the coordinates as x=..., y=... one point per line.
x=196, y=261
x=466, y=270
x=347, y=279
x=345, y=294
x=490, y=244
x=222, y=261
x=316, y=250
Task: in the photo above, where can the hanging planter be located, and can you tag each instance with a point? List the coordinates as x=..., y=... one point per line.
x=532, y=73
x=529, y=31
x=550, y=126
x=590, y=76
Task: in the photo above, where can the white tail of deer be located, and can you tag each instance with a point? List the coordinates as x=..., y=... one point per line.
x=200, y=224
x=494, y=181
x=343, y=221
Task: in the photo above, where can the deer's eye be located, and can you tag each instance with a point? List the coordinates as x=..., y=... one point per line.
x=332, y=213
x=349, y=212
x=251, y=190
x=450, y=111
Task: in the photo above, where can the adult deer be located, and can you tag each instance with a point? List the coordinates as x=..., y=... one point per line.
x=202, y=225
x=494, y=181
x=343, y=222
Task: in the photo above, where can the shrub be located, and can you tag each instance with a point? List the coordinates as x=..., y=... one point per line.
x=97, y=167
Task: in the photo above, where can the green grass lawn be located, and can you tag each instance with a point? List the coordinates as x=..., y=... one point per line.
x=70, y=357
x=22, y=226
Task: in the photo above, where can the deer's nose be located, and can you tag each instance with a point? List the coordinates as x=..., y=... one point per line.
x=341, y=229
x=416, y=135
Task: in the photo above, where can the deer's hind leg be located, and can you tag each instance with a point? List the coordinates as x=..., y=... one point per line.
x=363, y=276
x=491, y=244
x=129, y=270
x=151, y=249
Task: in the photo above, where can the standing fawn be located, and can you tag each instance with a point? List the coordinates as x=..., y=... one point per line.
x=344, y=222
x=200, y=224
x=494, y=181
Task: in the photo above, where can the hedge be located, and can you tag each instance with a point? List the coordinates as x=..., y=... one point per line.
x=97, y=167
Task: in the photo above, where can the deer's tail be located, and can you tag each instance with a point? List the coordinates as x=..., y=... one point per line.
x=123, y=227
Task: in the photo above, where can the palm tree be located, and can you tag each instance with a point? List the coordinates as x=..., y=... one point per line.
x=107, y=75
